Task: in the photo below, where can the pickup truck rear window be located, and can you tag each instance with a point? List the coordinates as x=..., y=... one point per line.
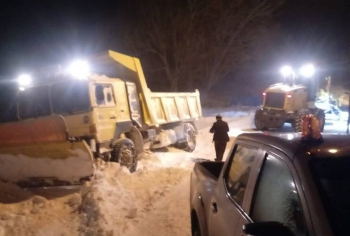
x=332, y=177
x=238, y=171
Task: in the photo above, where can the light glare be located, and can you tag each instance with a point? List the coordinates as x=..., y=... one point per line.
x=24, y=80
x=79, y=69
x=333, y=150
x=307, y=70
x=286, y=71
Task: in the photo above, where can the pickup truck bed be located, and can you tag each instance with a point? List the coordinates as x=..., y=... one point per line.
x=210, y=168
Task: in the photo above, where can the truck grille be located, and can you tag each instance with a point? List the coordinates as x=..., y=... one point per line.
x=274, y=100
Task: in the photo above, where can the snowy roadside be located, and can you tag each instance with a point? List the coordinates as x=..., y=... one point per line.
x=152, y=201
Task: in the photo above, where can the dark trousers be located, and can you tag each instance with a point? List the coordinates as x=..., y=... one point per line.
x=220, y=147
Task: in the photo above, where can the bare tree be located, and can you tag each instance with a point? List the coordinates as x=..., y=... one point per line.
x=198, y=42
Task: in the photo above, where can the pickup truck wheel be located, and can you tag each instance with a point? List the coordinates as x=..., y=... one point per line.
x=197, y=232
x=196, y=229
x=124, y=153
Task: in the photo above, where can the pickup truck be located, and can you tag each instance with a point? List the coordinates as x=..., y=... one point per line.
x=271, y=185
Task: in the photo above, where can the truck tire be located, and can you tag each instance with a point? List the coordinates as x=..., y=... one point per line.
x=124, y=153
x=299, y=120
x=258, y=122
x=190, y=144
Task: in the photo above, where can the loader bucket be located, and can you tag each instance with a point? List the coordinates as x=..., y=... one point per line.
x=37, y=151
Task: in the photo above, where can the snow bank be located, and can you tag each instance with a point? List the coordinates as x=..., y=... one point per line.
x=25, y=213
x=116, y=199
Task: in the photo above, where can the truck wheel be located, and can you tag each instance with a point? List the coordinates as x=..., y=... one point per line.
x=124, y=153
x=190, y=144
x=258, y=122
x=299, y=120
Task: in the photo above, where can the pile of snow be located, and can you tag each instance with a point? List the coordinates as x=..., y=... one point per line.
x=117, y=200
x=154, y=201
x=26, y=213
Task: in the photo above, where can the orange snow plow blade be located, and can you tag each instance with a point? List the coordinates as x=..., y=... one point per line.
x=37, y=151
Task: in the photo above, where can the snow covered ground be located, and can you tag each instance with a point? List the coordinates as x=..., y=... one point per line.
x=154, y=201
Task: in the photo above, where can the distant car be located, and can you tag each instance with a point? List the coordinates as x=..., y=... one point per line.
x=274, y=185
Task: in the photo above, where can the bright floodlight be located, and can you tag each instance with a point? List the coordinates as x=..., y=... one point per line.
x=286, y=71
x=79, y=69
x=307, y=70
x=24, y=80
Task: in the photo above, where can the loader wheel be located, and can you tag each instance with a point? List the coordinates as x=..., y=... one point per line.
x=259, y=124
x=190, y=144
x=299, y=120
x=321, y=118
x=124, y=153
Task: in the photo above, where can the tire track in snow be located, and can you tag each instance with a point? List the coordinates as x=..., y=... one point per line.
x=169, y=216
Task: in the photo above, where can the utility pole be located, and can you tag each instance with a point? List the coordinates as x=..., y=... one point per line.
x=329, y=79
x=347, y=127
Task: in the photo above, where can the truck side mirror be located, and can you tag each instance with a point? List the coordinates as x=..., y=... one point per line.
x=268, y=228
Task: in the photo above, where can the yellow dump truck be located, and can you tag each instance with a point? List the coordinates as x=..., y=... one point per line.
x=66, y=123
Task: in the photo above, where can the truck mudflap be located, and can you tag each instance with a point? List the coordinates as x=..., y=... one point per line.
x=38, y=151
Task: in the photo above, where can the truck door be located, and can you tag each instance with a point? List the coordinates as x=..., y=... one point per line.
x=134, y=103
x=278, y=195
x=228, y=199
x=105, y=110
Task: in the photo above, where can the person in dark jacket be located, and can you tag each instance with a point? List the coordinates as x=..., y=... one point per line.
x=220, y=139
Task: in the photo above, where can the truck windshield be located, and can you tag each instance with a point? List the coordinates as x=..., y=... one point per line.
x=275, y=100
x=34, y=102
x=332, y=177
x=70, y=97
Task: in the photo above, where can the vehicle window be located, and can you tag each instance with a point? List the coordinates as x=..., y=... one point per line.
x=237, y=174
x=70, y=97
x=332, y=177
x=276, y=197
x=34, y=102
x=104, y=95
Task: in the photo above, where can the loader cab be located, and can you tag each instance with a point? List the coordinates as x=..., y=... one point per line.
x=285, y=97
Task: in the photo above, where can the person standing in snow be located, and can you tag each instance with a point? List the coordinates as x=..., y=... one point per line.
x=220, y=139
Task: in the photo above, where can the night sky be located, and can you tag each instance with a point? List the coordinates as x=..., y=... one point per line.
x=36, y=33
x=47, y=33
